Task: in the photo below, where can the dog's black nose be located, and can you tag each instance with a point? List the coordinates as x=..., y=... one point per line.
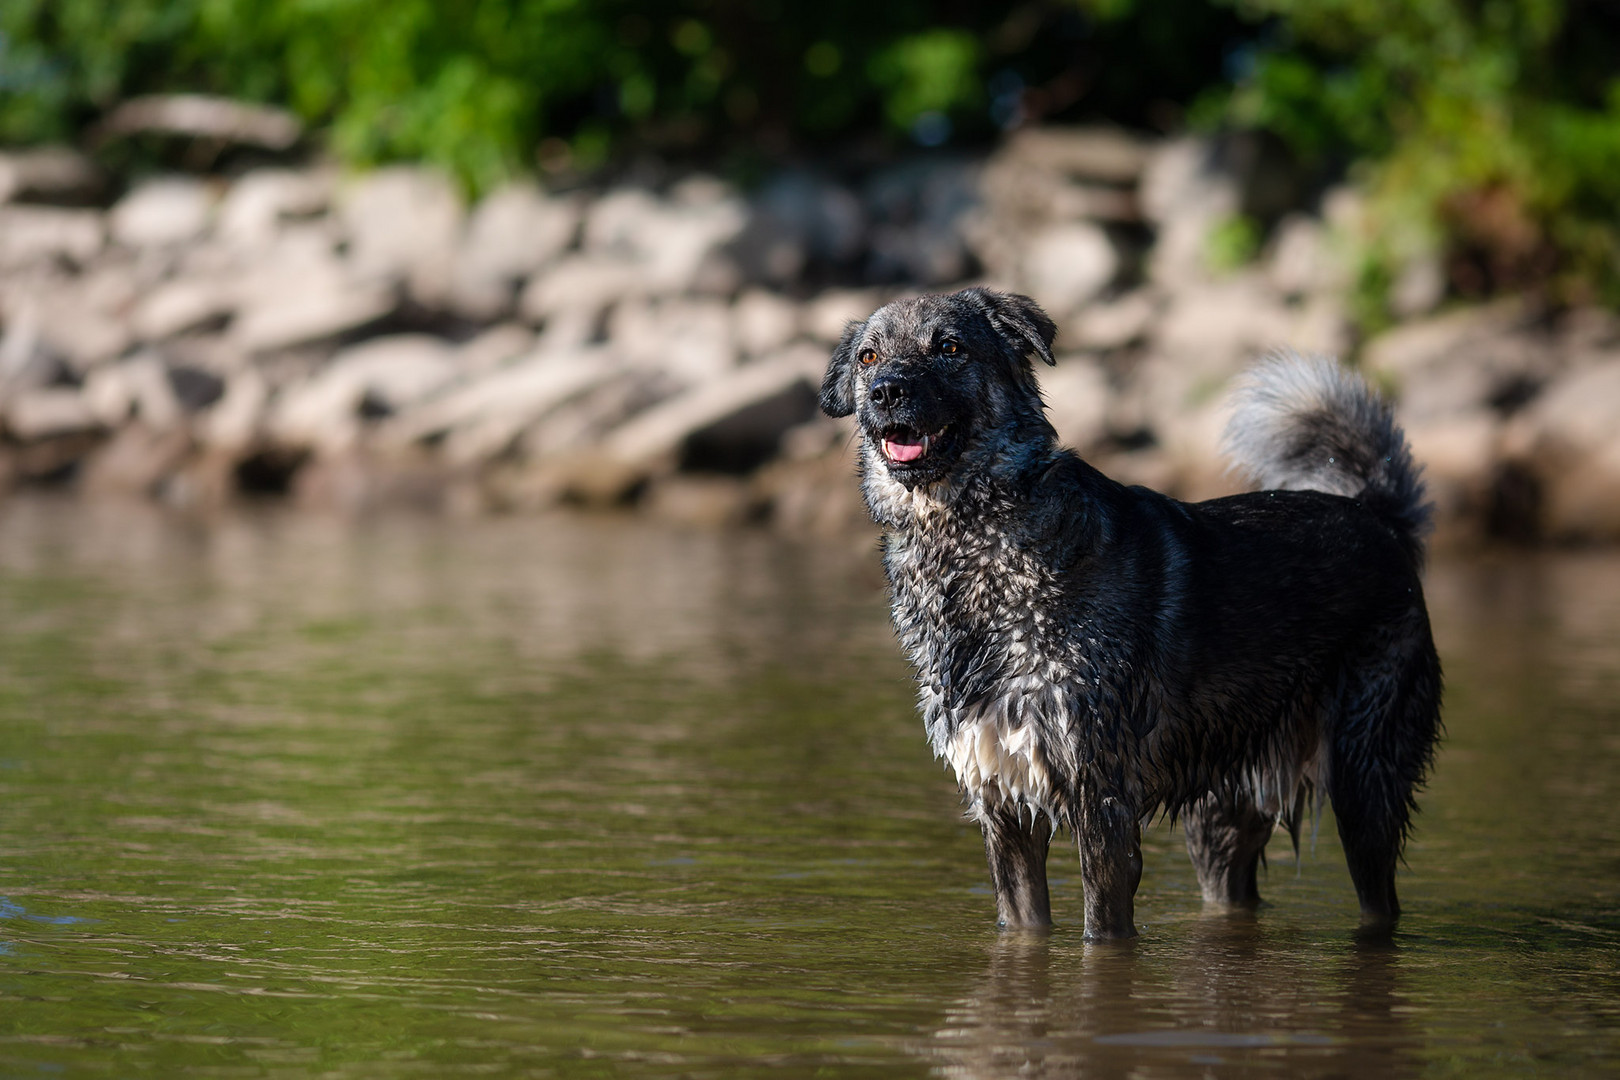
x=887, y=392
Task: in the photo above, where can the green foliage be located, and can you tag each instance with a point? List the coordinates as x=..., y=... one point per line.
x=1489, y=127
x=1232, y=243
x=931, y=72
x=479, y=85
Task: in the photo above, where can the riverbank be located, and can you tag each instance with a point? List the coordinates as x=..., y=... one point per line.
x=351, y=342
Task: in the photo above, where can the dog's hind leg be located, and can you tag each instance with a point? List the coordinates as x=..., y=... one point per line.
x=1110, y=840
x=1016, y=841
x=1226, y=840
x=1379, y=748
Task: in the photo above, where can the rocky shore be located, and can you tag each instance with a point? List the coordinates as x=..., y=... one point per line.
x=351, y=342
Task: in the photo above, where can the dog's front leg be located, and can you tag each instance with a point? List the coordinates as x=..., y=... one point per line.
x=1015, y=842
x=1110, y=841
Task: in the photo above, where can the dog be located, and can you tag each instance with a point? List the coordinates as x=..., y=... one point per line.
x=1092, y=656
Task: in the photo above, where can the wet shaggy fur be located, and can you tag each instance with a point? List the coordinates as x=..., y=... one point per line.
x=1091, y=655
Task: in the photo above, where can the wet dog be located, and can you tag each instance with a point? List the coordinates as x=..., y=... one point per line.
x=1092, y=655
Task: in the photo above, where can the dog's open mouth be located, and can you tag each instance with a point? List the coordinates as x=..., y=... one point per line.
x=905, y=446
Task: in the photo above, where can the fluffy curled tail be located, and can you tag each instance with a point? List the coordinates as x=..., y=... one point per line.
x=1307, y=423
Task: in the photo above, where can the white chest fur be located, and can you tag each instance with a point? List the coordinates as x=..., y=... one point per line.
x=1000, y=766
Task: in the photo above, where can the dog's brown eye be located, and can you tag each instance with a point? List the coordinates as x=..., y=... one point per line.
x=868, y=356
x=948, y=347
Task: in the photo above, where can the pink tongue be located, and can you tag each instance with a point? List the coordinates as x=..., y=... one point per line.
x=902, y=451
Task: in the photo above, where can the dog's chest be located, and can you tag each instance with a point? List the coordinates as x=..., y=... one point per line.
x=979, y=619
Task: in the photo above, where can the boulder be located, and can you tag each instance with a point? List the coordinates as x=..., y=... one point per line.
x=403, y=224
x=77, y=321
x=234, y=422
x=1568, y=442
x=48, y=412
x=162, y=213
x=254, y=208
x=510, y=235
x=763, y=322
x=1112, y=324
x=138, y=387
x=1494, y=356
x=690, y=340
x=32, y=235
x=300, y=293
x=1185, y=193
x=1303, y=258
x=495, y=347
x=481, y=418
x=676, y=246
x=1077, y=400
x=51, y=174
x=1103, y=154
x=371, y=380
x=827, y=315
x=654, y=440
x=180, y=305
x=799, y=219
x=1066, y=265
x=570, y=298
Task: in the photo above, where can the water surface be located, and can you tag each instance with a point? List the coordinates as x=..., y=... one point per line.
x=289, y=797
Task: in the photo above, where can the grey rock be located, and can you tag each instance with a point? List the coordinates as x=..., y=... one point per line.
x=234, y=423
x=688, y=339
x=495, y=347
x=136, y=388
x=573, y=295
x=1303, y=259
x=1077, y=400
x=47, y=412
x=763, y=321
x=653, y=440
x=52, y=174
x=510, y=235
x=481, y=418
x=1093, y=153
x=254, y=208
x=404, y=225
x=177, y=306
x=676, y=246
x=826, y=316
x=1112, y=324
x=799, y=219
x=1419, y=286
x=1568, y=440
x=377, y=378
x=31, y=235
x=299, y=293
x=1066, y=265
x=1185, y=193
x=69, y=322
x=1492, y=356
x=162, y=213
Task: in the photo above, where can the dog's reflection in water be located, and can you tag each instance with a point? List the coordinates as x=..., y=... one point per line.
x=1223, y=992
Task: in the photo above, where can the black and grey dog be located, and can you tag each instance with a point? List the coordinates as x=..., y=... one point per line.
x=1091, y=655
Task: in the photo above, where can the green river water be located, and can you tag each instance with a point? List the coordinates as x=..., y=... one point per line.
x=289, y=797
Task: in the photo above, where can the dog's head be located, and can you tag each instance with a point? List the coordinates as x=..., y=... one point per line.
x=931, y=379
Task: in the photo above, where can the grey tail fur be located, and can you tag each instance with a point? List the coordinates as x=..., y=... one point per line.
x=1306, y=423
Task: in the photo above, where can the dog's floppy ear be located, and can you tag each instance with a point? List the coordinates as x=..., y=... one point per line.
x=838, y=386
x=1018, y=319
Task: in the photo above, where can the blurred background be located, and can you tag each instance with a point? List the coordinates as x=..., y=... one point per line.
x=325, y=744
x=505, y=254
